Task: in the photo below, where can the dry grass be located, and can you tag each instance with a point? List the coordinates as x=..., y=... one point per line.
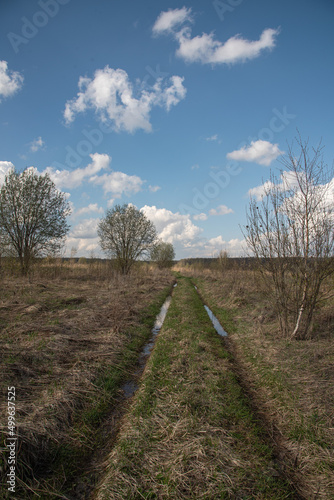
x=291, y=382
x=58, y=335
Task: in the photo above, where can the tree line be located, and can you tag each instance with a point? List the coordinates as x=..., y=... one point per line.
x=33, y=223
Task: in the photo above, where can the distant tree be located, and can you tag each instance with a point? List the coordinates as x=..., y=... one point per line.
x=126, y=235
x=291, y=233
x=163, y=254
x=74, y=251
x=222, y=260
x=32, y=216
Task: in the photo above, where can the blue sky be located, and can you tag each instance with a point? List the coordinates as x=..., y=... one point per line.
x=180, y=108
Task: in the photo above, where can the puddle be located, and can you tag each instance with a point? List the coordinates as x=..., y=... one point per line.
x=219, y=329
x=217, y=326
x=130, y=387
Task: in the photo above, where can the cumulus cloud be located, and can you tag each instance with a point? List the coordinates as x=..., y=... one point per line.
x=36, y=144
x=211, y=247
x=201, y=216
x=221, y=210
x=113, y=97
x=118, y=183
x=259, y=192
x=261, y=152
x=74, y=178
x=154, y=189
x=84, y=238
x=171, y=226
x=85, y=229
x=169, y=20
x=289, y=182
x=5, y=167
x=92, y=207
x=205, y=48
x=10, y=81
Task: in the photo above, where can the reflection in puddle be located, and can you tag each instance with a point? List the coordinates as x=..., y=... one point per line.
x=219, y=329
x=130, y=387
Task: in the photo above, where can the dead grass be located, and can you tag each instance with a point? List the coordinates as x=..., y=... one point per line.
x=291, y=382
x=57, y=336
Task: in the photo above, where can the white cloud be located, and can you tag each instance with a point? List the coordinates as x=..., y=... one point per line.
x=206, y=50
x=168, y=20
x=221, y=210
x=85, y=229
x=118, y=183
x=84, y=246
x=259, y=192
x=74, y=178
x=171, y=227
x=201, y=216
x=213, y=138
x=154, y=189
x=211, y=247
x=92, y=207
x=36, y=144
x=5, y=167
x=261, y=152
x=112, y=96
x=10, y=81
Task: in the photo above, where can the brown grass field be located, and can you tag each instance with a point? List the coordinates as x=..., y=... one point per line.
x=249, y=416
x=64, y=334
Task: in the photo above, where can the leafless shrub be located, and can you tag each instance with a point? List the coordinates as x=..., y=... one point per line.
x=291, y=233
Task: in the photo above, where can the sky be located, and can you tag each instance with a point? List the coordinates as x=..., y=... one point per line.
x=179, y=108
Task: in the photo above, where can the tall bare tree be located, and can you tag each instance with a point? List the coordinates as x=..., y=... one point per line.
x=32, y=216
x=291, y=232
x=126, y=234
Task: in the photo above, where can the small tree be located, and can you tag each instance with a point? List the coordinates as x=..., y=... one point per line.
x=291, y=233
x=32, y=216
x=126, y=235
x=163, y=254
x=222, y=260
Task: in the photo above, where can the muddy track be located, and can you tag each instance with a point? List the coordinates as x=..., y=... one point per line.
x=286, y=462
x=83, y=486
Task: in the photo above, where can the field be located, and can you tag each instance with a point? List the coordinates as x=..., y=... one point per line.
x=246, y=416
x=69, y=338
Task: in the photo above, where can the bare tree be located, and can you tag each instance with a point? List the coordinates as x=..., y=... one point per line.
x=291, y=232
x=32, y=216
x=126, y=234
x=163, y=254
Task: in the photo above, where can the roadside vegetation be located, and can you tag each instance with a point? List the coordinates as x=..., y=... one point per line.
x=290, y=382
